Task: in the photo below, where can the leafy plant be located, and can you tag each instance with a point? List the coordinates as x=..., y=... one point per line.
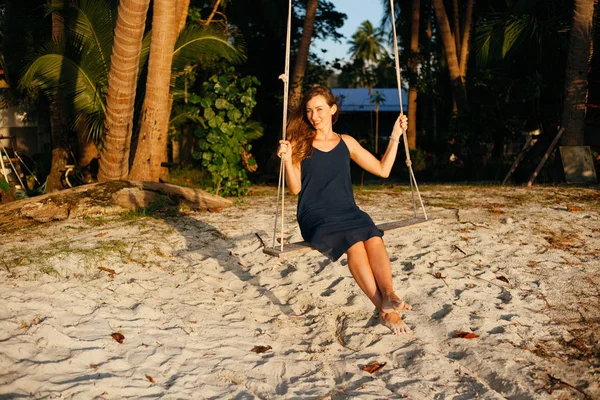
x=4, y=186
x=224, y=145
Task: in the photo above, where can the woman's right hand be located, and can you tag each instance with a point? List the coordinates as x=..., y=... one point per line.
x=285, y=149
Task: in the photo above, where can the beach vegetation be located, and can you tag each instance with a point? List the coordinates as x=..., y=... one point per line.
x=226, y=103
x=4, y=186
x=49, y=271
x=160, y=206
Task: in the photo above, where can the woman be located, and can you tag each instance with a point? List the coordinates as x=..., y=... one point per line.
x=317, y=163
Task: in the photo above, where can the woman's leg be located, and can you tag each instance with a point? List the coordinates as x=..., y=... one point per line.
x=361, y=270
x=379, y=262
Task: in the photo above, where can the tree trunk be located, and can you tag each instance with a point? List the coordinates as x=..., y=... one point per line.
x=580, y=52
x=466, y=40
x=181, y=11
x=458, y=87
x=377, y=128
x=122, y=83
x=456, y=21
x=58, y=126
x=155, y=110
x=411, y=132
x=303, y=50
x=87, y=151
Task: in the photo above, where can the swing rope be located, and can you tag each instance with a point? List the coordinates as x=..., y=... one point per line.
x=412, y=179
x=285, y=77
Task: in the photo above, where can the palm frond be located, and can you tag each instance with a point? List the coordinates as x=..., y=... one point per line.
x=202, y=43
x=60, y=70
x=185, y=113
x=95, y=21
x=518, y=30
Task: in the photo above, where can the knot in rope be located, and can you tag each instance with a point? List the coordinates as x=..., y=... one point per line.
x=284, y=78
x=408, y=163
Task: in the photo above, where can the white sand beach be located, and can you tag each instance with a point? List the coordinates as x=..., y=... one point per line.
x=192, y=295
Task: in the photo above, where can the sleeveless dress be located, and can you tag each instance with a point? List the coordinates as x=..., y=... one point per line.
x=327, y=214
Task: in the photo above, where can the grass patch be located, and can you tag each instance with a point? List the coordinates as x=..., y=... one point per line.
x=188, y=176
x=159, y=207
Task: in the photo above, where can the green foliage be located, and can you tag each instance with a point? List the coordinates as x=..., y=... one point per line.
x=160, y=207
x=223, y=147
x=4, y=186
x=75, y=68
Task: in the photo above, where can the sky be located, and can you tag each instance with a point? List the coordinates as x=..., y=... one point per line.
x=357, y=11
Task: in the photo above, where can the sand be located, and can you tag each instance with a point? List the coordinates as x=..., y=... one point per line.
x=192, y=295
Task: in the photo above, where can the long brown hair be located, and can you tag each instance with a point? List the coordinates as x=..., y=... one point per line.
x=299, y=129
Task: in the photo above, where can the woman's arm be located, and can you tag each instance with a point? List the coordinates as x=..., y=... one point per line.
x=367, y=161
x=293, y=174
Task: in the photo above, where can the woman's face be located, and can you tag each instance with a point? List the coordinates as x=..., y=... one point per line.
x=319, y=113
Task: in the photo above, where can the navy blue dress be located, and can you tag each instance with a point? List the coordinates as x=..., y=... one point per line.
x=328, y=216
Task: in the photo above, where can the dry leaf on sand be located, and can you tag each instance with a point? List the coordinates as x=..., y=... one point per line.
x=118, y=337
x=466, y=335
x=261, y=349
x=373, y=367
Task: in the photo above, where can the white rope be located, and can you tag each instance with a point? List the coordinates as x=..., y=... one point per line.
x=285, y=77
x=413, y=181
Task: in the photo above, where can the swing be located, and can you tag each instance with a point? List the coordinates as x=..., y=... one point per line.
x=299, y=247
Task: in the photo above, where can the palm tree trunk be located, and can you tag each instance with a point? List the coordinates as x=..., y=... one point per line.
x=87, y=151
x=411, y=133
x=122, y=82
x=155, y=110
x=181, y=11
x=58, y=126
x=458, y=87
x=377, y=128
x=466, y=40
x=573, y=116
x=303, y=50
x=456, y=21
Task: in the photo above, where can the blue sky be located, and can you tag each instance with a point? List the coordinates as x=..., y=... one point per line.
x=357, y=12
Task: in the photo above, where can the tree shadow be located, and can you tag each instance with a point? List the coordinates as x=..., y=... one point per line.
x=206, y=240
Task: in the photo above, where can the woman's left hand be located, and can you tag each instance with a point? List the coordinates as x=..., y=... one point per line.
x=400, y=126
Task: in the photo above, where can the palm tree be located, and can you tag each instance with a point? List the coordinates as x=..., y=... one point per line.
x=377, y=98
x=303, y=50
x=411, y=133
x=81, y=62
x=367, y=45
x=72, y=71
x=458, y=87
x=58, y=125
x=152, y=140
x=122, y=83
x=573, y=116
x=193, y=44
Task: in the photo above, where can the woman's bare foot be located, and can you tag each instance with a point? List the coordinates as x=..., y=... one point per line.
x=391, y=303
x=393, y=321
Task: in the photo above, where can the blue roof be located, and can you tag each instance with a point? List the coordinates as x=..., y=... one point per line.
x=355, y=100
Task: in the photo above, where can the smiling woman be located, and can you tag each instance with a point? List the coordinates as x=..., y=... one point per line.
x=317, y=165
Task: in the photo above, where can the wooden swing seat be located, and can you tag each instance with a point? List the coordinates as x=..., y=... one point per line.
x=302, y=247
